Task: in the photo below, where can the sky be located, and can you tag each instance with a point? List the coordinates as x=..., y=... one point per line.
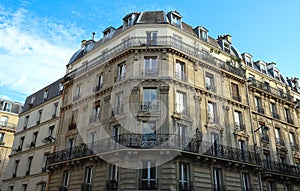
x=37, y=38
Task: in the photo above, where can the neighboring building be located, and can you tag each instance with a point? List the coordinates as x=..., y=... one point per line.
x=158, y=105
x=34, y=140
x=9, y=111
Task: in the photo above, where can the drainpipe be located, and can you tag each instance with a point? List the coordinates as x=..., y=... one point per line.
x=253, y=136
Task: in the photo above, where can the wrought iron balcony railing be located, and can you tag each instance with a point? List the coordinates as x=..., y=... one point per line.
x=274, y=91
x=158, y=141
x=112, y=184
x=280, y=141
x=149, y=106
x=185, y=185
x=148, y=184
x=169, y=41
x=97, y=87
x=272, y=166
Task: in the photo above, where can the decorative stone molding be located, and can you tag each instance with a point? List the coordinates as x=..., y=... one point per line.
x=164, y=89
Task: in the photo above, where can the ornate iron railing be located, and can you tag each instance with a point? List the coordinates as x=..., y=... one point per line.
x=149, y=106
x=272, y=166
x=274, y=91
x=159, y=141
x=168, y=41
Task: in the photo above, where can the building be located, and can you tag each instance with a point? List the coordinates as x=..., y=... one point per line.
x=159, y=105
x=9, y=111
x=34, y=140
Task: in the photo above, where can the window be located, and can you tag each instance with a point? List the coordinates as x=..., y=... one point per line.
x=92, y=138
x=246, y=181
x=288, y=116
x=3, y=121
x=44, y=162
x=29, y=165
x=55, y=107
x=78, y=91
x=251, y=79
x=287, y=187
x=276, y=75
x=113, y=176
x=128, y=21
x=121, y=71
x=258, y=105
x=217, y=179
x=149, y=99
x=248, y=61
x=274, y=110
x=293, y=142
x=149, y=180
x=180, y=70
x=184, y=176
x=73, y=124
x=119, y=102
x=60, y=87
x=176, y=20
x=243, y=148
x=263, y=68
x=32, y=99
x=21, y=143
x=266, y=86
x=263, y=131
x=26, y=122
x=42, y=187
x=151, y=38
x=235, y=92
x=209, y=82
x=226, y=47
x=271, y=186
x=24, y=187
x=182, y=136
x=66, y=177
x=6, y=106
x=11, y=188
x=88, y=175
x=2, y=138
x=50, y=131
x=39, y=117
x=150, y=66
x=278, y=137
x=99, y=83
x=238, y=121
x=149, y=134
x=96, y=112
x=70, y=146
x=212, y=112
x=181, y=103
x=116, y=132
x=16, y=168
x=203, y=35
x=33, y=143
x=45, y=94
x=215, y=140
x=280, y=92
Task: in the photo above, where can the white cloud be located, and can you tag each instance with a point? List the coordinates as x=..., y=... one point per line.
x=33, y=50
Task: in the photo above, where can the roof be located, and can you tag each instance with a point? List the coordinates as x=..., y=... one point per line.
x=152, y=17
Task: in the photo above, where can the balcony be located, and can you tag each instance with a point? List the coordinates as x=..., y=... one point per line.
x=148, y=184
x=265, y=138
x=237, y=98
x=72, y=126
x=149, y=106
x=159, y=141
x=274, y=91
x=112, y=185
x=86, y=187
x=97, y=88
x=294, y=146
x=276, y=167
x=290, y=120
x=150, y=72
x=181, y=76
x=279, y=141
x=185, y=185
x=275, y=115
x=260, y=109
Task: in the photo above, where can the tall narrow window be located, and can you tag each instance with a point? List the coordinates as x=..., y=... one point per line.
x=16, y=168
x=34, y=138
x=235, y=92
x=182, y=136
x=215, y=140
x=251, y=79
x=96, y=113
x=238, y=121
x=287, y=187
x=181, y=103
x=149, y=134
x=2, y=138
x=258, y=105
x=288, y=116
x=92, y=138
x=45, y=94
x=66, y=177
x=293, y=142
x=243, y=149
x=217, y=179
x=44, y=162
x=39, y=117
x=149, y=99
x=278, y=137
x=151, y=38
x=209, y=82
x=113, y=177
x=21, y=143
x=78, y=91
x=24, y=187
x=70, y=146
x=149, y=180
x=150, y=66
x=4, y=121
x=55, y=107
x=274, y=110
x=271, y=186
x=29, y=165
x=99, y=82
x=26, y=122
x=184, y=176
x=121, y=71
x=246, y=182
x=50, y=131
x=119, y=102
x=212, y=112
x=73, y=124
x=180, y=70
x=88, y=175
x=263, y=68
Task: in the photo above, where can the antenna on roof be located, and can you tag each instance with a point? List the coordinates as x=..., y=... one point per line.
x=93, y=36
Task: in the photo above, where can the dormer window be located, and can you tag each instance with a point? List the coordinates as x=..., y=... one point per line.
x=248, y=61
x=32, y=99
x=107, y=33
x=175, y=18
x=276, y=75
x=128, y=20
x=263, y=68
x=226, y=47
x=203, y=34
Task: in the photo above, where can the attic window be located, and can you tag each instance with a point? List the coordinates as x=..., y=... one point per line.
x=226, y=47
x=176, y=20
x=263, y=68
x=32, y=99
x=248, y=61
x=203, y=35
x=45, y=94
x=128, y=21
x=276, y=75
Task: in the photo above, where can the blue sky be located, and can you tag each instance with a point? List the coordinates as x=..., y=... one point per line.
x=39, y=37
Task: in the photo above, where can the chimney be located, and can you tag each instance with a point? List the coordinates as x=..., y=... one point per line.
x=83, y=42
x=296, y=83
x=228, y=38
x=93, y=35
